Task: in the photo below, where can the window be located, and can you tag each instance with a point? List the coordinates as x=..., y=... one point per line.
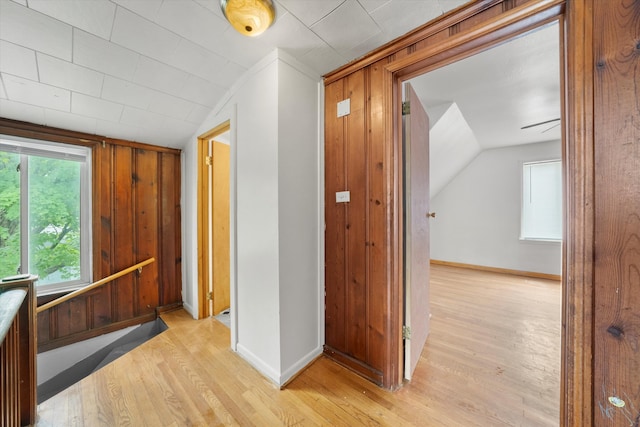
x=45, y=212
x=542, y=200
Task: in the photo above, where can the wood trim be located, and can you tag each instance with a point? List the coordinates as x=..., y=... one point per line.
x=203, y=228
x=355, y=365
x=481, y=37
x=168, y=308
x=532, y=274
x=33, y=131
x=579, y=240
x=448, y=20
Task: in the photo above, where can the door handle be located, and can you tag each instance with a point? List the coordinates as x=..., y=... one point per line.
x=431, y=214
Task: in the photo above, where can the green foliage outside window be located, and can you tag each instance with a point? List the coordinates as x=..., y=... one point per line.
x=53, y=192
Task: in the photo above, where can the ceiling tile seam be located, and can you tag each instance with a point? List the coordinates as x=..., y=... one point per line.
x=113, y=21
x=4, y=88
x=329, y=13
x=327, y=45
x=163, y=28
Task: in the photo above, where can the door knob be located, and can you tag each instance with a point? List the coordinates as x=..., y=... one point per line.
x=431, y=214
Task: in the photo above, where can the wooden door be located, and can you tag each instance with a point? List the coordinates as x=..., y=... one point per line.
x=220, y=227
x=416, y=229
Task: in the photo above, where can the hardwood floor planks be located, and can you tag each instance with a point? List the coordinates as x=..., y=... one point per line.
x=492, y=359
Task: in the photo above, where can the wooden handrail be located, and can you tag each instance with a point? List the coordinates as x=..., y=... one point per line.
x=93, y=285
x=18, y=352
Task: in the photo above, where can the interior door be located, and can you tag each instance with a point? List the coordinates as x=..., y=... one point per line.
x=416, y=228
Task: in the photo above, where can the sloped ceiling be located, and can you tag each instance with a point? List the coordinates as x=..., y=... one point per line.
x=152, y=70
x=484, y=101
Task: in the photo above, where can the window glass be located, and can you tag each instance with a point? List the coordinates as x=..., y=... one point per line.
x=45, y=212
x=542, y=200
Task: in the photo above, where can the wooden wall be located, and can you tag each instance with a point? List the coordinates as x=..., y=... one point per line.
x=363, y=315
x=136, y=215
x=601, y=283
x=616, y=56
x=357, y=245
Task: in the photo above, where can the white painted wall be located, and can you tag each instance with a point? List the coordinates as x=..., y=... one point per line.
x=299, y=204
x=478, y=213
x=275, y=201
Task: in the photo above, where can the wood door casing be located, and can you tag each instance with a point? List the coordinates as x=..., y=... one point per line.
x=416, y=229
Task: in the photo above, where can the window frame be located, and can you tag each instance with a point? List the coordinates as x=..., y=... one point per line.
x=529, y=239
x=64, y=151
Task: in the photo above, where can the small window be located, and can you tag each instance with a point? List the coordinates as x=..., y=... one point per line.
x=45, y=212
x=542, y=200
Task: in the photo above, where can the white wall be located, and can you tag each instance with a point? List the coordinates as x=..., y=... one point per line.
x=299, y=204
x=274, y=220
x=478, y=213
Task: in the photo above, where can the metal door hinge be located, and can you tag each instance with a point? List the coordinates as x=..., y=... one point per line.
x=406, y=108
x=406, y=332
x=208, y=160
x=209, y=296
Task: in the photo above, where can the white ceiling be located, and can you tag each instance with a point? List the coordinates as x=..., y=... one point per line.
x=502, y=89
x=152, y=70
x=484, y=101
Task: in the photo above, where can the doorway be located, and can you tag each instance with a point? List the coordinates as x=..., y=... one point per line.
x=214, y=255
x=486, y=103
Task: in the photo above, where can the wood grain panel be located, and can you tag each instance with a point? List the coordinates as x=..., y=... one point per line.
x=356, y=232
x=334, y=220
x=168, y=207
x=617, y=213
x=145, y=180
x=99, y=302
x=378, y=205
x=123, y=224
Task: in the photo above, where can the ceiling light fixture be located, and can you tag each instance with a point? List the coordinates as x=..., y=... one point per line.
x=249, y=17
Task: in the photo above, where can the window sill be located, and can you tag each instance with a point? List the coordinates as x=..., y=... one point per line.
x=540, y=241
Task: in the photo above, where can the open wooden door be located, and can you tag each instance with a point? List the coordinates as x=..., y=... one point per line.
x=416, y=228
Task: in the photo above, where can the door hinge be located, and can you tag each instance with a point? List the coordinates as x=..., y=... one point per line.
x=208, y=160
x=406, y=332
x=406, y=108
x=209, y=296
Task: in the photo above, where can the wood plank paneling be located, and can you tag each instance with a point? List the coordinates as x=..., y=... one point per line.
x=136, y=215
x=123, y=224
x=146, y=228
x=617, y=213
x=335, y=220
x=168, y=210
x=356, y=213
x=378, y=243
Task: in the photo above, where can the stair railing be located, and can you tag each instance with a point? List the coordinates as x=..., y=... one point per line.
x=17, y=351
x=94, y=285
x=18, y=348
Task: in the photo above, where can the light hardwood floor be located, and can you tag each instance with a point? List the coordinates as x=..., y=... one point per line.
x=492, y=359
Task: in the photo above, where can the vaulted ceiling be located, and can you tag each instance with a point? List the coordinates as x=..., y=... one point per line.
x=152, y=70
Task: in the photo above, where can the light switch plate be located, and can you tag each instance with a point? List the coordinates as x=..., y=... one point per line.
x=344, y=107
x=343, y=196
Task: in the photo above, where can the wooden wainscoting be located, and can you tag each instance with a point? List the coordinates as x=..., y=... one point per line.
x=136, y=216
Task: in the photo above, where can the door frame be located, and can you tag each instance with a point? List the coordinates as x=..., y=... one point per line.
x=205, y=187
x=575, y=23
